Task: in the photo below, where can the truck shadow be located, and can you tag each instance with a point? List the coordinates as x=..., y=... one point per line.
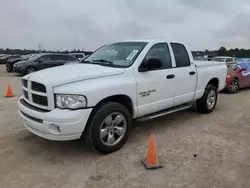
x=56, y=152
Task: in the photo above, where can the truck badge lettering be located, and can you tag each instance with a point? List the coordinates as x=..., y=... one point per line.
x=146, y=93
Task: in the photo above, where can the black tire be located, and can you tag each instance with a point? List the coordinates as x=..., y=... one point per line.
x=202, y=104
x=92, y=135
x=234, y=87
x=29, y=70
x=8, y=69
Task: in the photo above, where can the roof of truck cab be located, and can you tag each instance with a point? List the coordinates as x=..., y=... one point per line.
x=147, y=40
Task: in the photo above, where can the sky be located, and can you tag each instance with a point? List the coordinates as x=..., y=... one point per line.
x=85, y=24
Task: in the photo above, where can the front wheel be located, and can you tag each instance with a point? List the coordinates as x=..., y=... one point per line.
x=30, y=70
x=208, y=101
x=108, y=128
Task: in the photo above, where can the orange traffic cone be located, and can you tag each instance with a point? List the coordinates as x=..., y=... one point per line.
x=151, y=161
x=9, y=92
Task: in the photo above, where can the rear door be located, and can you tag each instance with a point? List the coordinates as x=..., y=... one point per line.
x=185, y=75
x=58, y=59
x=71, y=58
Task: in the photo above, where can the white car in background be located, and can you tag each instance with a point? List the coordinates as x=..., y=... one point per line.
x=223, y=59
x=79, y=56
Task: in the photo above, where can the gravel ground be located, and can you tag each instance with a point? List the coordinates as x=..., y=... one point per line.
x=220, y=140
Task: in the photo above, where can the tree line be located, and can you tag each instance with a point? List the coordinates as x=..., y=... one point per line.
x=222, y=51
x=25, y=51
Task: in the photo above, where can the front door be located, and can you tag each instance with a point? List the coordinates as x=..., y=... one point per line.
x=156, y=88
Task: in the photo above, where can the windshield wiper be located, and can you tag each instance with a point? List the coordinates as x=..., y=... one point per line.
x=103, y=61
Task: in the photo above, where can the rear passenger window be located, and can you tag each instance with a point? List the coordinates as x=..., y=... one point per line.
x=45, y=58
x=229, y=59
x=71, y=58
x=59, y=57
x=181, y=55
x=160, y=51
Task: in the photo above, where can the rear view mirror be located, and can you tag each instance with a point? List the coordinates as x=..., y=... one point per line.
x=152, y=63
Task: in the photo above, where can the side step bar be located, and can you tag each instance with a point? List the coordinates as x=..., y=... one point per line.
x=164, y=112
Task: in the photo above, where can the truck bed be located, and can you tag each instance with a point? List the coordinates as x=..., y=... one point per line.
x=208, y=63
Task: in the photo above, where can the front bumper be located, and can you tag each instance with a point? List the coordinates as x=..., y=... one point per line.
x=19, y=70
x=57, y=124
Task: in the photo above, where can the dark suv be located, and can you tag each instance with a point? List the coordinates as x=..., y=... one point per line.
x=42, y=61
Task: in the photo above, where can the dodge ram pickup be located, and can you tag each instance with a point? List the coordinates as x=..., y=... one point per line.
x=97, y=99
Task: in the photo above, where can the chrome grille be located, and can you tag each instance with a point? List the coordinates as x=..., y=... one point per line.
x=38, y=94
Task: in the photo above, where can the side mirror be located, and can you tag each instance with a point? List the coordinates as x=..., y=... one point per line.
x=243, y=69
x=150, y=64
x=39, y=61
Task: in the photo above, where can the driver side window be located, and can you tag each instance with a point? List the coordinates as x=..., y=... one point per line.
x=160, y=51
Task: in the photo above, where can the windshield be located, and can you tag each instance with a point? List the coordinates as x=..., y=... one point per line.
x=34, y=56
x=231, y=67
x=219, y=59
x=121, y=54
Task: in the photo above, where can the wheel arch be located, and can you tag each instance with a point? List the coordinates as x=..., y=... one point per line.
x=214, y=82
x=121, y=98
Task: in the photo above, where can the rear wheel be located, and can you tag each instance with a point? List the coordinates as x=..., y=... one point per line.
x=208, y=101
x=30, y=70
x=108, y=128
x=234, y=87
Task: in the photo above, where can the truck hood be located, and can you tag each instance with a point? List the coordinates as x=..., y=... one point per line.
x=74, y=72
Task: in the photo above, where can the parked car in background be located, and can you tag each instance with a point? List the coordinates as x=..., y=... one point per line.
x=4, y=58
x=238, y=76
x=223, y=59
x=79, y=56
x=1, y=55
x=10, y=62
x=42, y=61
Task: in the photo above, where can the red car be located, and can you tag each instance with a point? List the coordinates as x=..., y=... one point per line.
x=238, y=76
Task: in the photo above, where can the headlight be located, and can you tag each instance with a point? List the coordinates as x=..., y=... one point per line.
x=18, y=65
x=70, y=101
x=228, y=76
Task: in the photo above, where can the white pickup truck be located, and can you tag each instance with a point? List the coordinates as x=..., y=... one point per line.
x=98, y=98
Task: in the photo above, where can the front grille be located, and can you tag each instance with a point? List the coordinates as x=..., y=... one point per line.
x=41, y=100
x=25, y=83
x=26, y=95
x=37, y=94
x=32, y=107
x=38, y=87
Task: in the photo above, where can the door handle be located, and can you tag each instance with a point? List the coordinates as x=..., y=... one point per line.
x=170, y=76
x=192, y=73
